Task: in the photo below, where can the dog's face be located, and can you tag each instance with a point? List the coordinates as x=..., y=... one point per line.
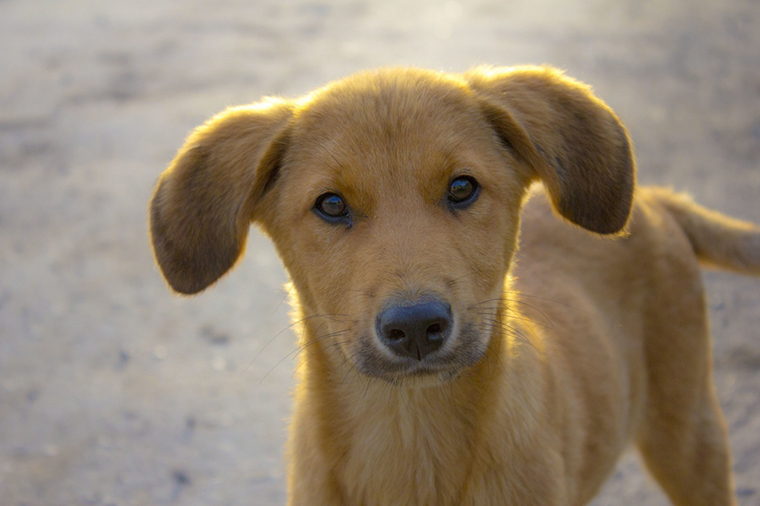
x=393, y=199
x=397, y=208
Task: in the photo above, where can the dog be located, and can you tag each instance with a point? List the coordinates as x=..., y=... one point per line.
x=442, y=365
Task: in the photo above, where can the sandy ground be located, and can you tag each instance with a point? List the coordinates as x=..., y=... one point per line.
x=115, y=392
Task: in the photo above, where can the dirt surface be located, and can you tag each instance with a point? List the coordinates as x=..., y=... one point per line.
x=115, y=392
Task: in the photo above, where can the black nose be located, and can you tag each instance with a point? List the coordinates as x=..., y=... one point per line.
x=415, y=331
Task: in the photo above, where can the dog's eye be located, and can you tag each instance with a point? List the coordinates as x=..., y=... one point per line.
x=463, y=191
x=331, y=207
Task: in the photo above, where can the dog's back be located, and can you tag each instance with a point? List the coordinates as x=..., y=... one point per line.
x=639, y=303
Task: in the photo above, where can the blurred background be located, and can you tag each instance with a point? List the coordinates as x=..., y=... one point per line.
x=113, y=391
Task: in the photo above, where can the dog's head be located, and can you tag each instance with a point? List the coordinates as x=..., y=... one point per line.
x=393, y=199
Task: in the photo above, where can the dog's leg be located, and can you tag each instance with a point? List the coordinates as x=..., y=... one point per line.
x=688, y=455
x=682, y=435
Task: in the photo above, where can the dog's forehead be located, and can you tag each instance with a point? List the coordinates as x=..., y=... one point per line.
x=385, y=126
x=383, y=105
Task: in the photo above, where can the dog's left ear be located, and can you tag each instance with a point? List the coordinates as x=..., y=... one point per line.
x=571, y=140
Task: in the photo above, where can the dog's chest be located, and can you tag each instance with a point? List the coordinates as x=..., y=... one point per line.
x=407, y=454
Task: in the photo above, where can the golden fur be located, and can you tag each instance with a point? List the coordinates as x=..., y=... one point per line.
x=560, y=354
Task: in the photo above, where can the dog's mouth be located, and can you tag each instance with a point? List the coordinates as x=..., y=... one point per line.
x=465, y=346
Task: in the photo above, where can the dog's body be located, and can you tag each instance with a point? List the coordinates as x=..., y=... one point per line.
x=394, y=199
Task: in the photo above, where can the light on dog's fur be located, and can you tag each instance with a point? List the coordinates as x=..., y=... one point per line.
x=430, y=380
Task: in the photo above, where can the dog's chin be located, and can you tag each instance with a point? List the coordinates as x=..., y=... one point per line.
x=422, y=378
x=418, y=374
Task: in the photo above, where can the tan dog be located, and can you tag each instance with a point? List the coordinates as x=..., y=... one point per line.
x=438, y=370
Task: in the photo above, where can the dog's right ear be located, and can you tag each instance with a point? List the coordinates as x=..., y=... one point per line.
x=205, y=200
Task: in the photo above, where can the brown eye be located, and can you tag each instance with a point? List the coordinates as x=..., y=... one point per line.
x=463, y=191
x=331, y=207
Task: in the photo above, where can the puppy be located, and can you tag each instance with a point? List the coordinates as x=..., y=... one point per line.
x=443, y=367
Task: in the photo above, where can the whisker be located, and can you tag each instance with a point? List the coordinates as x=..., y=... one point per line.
x=348, y=370
x=321, y=350
x=518, y=302
x=514, y=332
x=522, y=294
x=495, y=325
x=326, y=316
x=275, y=365
x=316, y=340
x=518, y=316
x=504, y=326
x=299, y=349
x=366, y=389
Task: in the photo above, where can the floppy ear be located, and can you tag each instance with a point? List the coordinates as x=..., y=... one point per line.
x=571, y=139
x=204, y=202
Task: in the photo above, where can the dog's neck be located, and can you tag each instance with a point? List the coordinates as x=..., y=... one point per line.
x=435, y=434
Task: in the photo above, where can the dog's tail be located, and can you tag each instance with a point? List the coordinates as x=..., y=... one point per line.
x=718, y=240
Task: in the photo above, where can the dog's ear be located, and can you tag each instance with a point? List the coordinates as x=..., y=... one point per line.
x=572, y=141
x=205, y=201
